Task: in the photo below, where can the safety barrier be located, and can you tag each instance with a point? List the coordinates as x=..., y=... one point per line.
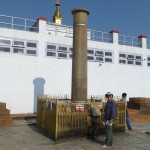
x=63, y=118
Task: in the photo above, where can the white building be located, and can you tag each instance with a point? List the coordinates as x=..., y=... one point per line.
x=37, y=60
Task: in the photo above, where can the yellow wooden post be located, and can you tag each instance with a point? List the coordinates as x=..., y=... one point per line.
x=56, y=135
x=125, y=113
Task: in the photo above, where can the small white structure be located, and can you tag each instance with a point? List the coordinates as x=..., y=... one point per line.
x=35, y=58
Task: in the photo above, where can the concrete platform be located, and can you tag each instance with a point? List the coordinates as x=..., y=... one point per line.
x=26, y=136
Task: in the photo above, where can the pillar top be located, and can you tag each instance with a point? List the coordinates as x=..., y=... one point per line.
x=42, y=18
x=142, y=36
x=80, y=10
x=114, y=31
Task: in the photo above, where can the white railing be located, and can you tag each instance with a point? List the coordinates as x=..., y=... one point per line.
x=67, y=31
x=99, y=36
x=57, y=30
x=18, y=23
x=128, y=41
x=148, y=44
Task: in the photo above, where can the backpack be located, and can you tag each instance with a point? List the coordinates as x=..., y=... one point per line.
x=95, y=110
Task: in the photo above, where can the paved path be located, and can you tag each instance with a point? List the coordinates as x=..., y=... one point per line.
x=26, y=136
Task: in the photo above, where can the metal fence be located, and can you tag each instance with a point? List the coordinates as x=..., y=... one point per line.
x=61, y=119
x=129, y=41
x=62, y=30
x=148, y=44
x=100, y=36
x=18, y=23
x=67, y=31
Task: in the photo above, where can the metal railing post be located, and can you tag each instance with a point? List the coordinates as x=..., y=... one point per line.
x=102, y=36
x=56, y=131
x=25, y=24
x=132, y=41
x=125, y=113
x=124, y=40
x=12, y=22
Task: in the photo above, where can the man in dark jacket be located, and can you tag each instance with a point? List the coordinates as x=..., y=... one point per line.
x=110, y=111
x=124, y=95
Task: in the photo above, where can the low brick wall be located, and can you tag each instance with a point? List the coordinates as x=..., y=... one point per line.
x=5, y=117
x=138, y=115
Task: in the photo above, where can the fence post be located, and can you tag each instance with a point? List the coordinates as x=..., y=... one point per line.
x=12, y=22
x=142, y=41
x=114, y=36
x=56, y=131
x=125, y=113
x=25, y=24
x=42, y=24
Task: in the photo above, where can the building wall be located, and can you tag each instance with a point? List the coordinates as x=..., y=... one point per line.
x=23, y=77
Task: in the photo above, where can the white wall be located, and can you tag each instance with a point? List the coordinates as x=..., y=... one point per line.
x=22, y=77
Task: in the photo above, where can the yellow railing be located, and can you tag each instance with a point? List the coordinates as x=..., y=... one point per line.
x=62, y=119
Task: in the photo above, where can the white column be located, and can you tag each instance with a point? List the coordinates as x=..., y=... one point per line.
x=142, y=41
x=114, y=36
x=41, y=36
x=42, y=24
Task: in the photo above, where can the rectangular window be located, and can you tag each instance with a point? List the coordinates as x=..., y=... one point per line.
x=101, y=53
x=122, y=61
x=91, y=52
x=91, y=58
x=51, y=47
x=18, y=43
x=108, y=54
x=5, y=49
x=138, y=63
x=70, y=55
x=31, y=52
x=32, y=45
x=52, y=54
x=139, y=57
x=122, y=55
x=148, y=58
x=71, y=49
x=148, y=61
x=130, y=62
x=62, y=49
x=108, y=60
x=99, y=59
x=5, y=42
x=18, y=50
x=62, y=55
x=130, y=56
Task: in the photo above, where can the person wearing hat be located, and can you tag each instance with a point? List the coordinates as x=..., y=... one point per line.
x=110, y=111
x=124, y=95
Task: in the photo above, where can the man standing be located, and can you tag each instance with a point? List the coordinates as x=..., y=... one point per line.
x=124, y=95
x=110, y=111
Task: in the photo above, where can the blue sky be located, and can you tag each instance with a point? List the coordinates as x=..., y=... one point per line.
x=129, y=17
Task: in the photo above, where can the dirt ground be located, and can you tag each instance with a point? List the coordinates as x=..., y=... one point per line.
x=24, y=135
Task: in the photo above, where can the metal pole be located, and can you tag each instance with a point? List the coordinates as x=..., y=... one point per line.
x=79, y=60
x=12, y=22
x=125, y=114
x=25, y=21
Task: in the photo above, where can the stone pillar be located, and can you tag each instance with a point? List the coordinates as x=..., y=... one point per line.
x=142, y=41
x=42, y=24
x=79, y=59
x=114, y=36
